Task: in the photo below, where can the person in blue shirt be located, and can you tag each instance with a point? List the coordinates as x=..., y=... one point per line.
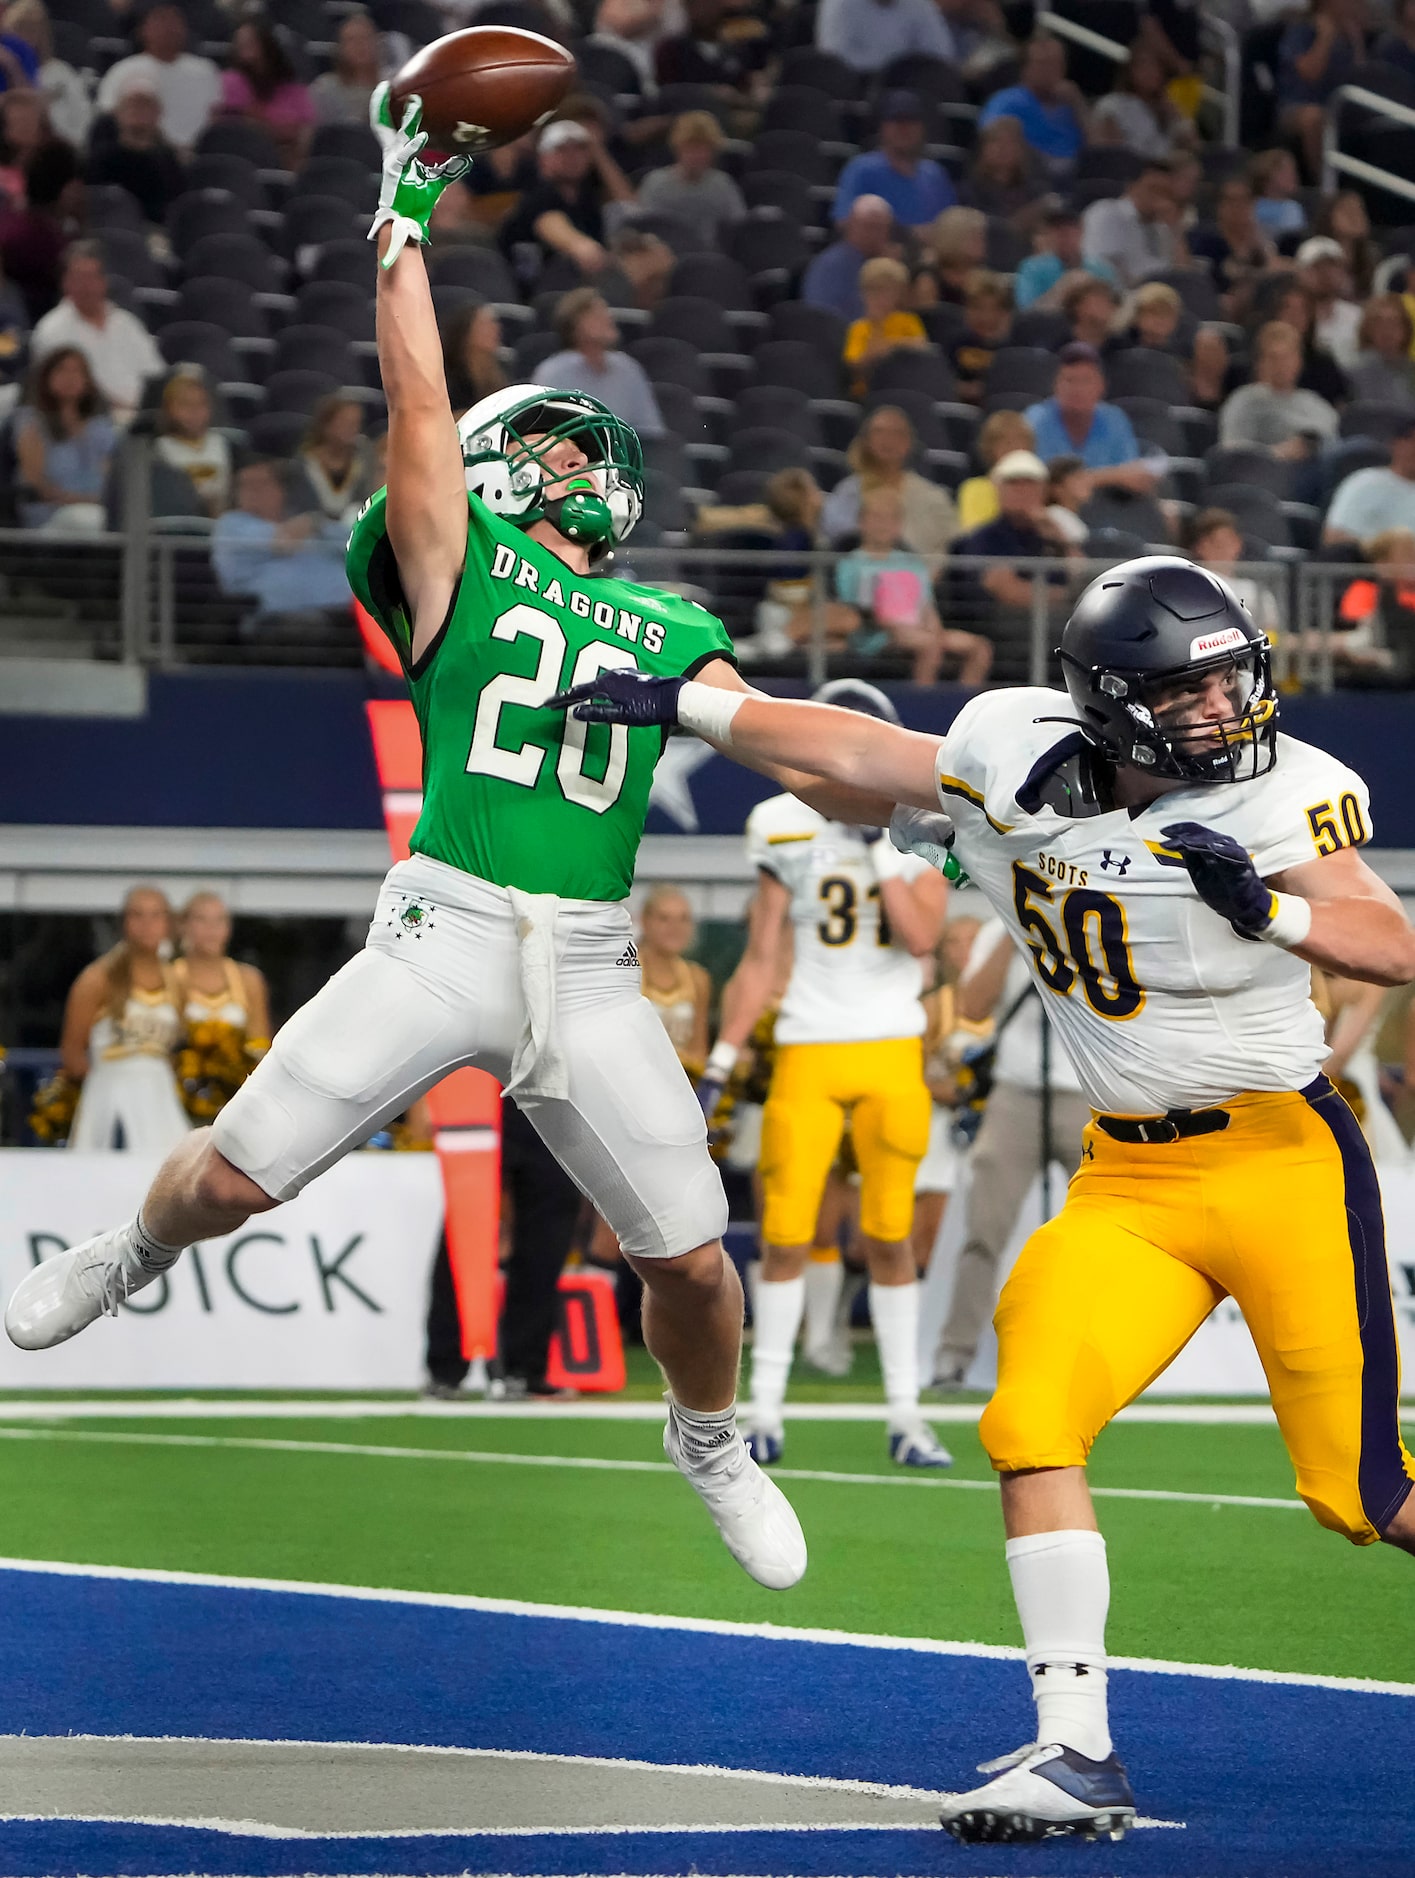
x=833, y=278
x=915, y=187
x=1075, y=421
x=291, y=566
x=1057, y=242
x=1049, y=108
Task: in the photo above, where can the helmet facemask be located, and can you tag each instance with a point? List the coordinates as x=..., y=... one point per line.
x=600, y=504
x=1155, y=722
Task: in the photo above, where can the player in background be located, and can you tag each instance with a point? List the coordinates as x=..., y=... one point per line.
x=505, y=940
x=1173, y=867
x=946, y=1035
x=859, y=916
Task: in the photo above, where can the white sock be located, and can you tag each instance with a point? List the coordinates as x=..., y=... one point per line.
x=824, y=1280
x=779, y=1307
x=894, y=1312
x=1062, y=1586
x=151, y=1254
x=706, y=1433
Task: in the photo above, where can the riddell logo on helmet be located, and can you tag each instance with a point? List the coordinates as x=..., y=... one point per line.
x=1217, y=642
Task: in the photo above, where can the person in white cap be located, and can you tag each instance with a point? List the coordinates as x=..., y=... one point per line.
x=564, y=212
x=1336, y=318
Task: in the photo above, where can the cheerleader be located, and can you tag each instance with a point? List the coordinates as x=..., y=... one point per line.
x=225, y=1007
x=678, y=989
x=121, y=1026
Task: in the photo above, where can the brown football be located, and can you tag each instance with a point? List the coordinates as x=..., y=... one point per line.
x=485, y=86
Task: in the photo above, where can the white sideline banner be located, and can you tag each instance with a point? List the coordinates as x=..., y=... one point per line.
x=1220, y=1358
x=329, y=1291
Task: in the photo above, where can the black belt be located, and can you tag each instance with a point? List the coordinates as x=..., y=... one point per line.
x=1155, y=1130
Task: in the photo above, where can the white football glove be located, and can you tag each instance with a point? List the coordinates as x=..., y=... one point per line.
x=929, y=833
x=409, y=189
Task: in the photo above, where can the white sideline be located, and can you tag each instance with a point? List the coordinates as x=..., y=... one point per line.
x=703, y=1626
x=597, y=1464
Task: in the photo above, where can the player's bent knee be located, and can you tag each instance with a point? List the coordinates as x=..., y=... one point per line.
x=1021, y=1430
x=225, y=1188
x=701, y=1269
x=1341, y=1513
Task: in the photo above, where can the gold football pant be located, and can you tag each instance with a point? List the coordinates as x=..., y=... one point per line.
x=1281, y=1212
x=813, y=1087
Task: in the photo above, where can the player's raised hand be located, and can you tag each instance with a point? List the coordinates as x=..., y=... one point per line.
x=409, y=188
x=1224, y=876
x=621, y=698
x=928, y=833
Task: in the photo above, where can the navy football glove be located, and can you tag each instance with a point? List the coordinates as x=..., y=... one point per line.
x=622, y=697
x=1224, y=876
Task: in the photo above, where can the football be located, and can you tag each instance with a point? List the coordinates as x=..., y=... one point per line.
x=482, y=87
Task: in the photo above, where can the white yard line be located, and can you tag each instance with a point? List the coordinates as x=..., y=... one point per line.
x=703, y=1626
x=912, y=1479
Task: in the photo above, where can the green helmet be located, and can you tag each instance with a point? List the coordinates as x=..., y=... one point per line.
x=510, y=479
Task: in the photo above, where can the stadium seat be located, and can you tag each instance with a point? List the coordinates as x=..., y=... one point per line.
x=771, y=251
x=1116, y=161
x=935, y=80
x=803, y=108
x=673, y=360
x=316, y=349
x=797, y=152
x=237, y=136
x=352, y=181
x=766, y=449
x=224, y=303
x=814, y=325
x=1140, y=372
x=417, y=20
x=737, y=487
x=778, y=407
x=349, y=261
x=684, y=237
x=112, y=206
x=1258, y=512
x=127, y=253
x=355, y=142
x=607, y=70
x=335, y=303
x=823, y=72
x=1380, y=422
x=780, y=189
x=1038, y=326
x=481, y=269
x=299, y=391
x=278, y=433
x=680, y=412
x=1007, y=249
x=1195, y=287
x=310, y=222
x=1255, y=468
x=721, y=280
x=236, y=257
x=794, y=363
x=1129, y=514
x=530, y=350
x=1021, y=368
x=1154, y=422
x=199, y=342
x=704, y=325
x=205, y=212
x=237, y=175
x=906, y=368
x=938, y=445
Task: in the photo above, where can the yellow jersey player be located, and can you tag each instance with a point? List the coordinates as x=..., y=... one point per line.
x=858, y=916
x=1172, y=866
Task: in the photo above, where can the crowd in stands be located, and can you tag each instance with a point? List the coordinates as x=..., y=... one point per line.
x=988, y=296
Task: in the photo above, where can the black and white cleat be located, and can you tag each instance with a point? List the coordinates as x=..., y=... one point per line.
x=1043, y=1792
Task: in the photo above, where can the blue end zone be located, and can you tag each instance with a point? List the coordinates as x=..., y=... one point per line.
x=1270, y=1779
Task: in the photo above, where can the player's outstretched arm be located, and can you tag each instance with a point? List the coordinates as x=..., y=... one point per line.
x=916, y=909
x=1358, y=925
x=426, y=510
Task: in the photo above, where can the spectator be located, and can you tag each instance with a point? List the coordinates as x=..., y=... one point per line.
x=471, y=355
x=1397, y=45
x=705, y=54
x=955, y=248
x=188, y=441
x=1214, y=540
x=19, y=62
x=1320, y=371
x=633, y=29
x=336, y=468
x=879, y=459
x=987, y=302
x=288, y=568
x=1369, y=502
x=63, y=443
x=1068, y=492
x=884, y=286
x=1276, y=208
x=1057, y=251
x=1234, y=244
x=189, y=87
x=1273, y=413
x=590, y=361
x=341, y=95
x=1137, y=234
x=885, y=602
x=645, y=260
x=34, y=239
x=916, y=188
x=1343, y=217
x=14, y=337
x=563, y=211
x=1004, y=178
x=1139, y=113
x=120, y=350
x=1091, y=307
x=1001, y=595
x=1384, y=372
x=785, y=614
x=1075, y=421
x=980, y=34
x=833, y=278
x=65, y=94
x=692, y=188
x=1209, y=367
x=1315, y=57
x=1152, y=317
x=998, y=436
x=129, y=150
x=491, y=189
x=1336, y=319
x=1373, y=636
x=261, y=86
x=870, y=34
x=1048, y=106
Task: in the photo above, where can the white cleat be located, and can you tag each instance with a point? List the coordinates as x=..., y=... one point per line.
x=758, y=1524
x=1043, y=1793
x=917, y=1446
x=67, y=1292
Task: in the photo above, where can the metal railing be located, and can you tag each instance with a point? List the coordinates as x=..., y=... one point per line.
x=1217, y=35
x=1336, y=161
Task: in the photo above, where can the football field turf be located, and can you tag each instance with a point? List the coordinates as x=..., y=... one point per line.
x=192, y=1600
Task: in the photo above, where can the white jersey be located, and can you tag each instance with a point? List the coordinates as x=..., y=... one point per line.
x=849, y=982
x=1158, y=1001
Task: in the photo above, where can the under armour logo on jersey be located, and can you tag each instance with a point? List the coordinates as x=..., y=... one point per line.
x=1108, y=861
x=629, y=956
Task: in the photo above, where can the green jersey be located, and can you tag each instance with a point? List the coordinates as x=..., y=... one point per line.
x=515, y=794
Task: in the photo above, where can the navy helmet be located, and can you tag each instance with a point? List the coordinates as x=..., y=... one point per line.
x=1137, y=634
x=853, y=694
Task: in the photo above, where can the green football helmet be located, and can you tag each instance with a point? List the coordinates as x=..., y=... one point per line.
x=601, y=505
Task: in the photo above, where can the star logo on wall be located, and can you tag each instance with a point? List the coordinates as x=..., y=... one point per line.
x=670, y=791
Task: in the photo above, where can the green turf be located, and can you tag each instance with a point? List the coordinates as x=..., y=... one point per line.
x=1260, y=1587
